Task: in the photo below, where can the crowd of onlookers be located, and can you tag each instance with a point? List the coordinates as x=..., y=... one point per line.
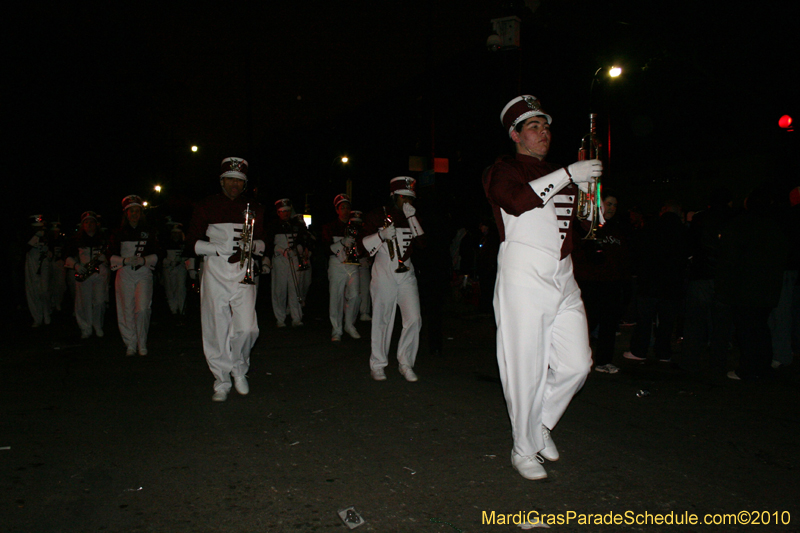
x=693, y=284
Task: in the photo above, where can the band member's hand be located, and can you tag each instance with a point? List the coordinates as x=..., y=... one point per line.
x=388, y=232
x=348, y=241
x=136, y=261
x=80, y=269
x=585, y=171
x=192, y=274
x=235, y=257
x=409, y=210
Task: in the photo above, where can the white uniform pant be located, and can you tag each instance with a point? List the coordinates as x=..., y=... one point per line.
x=390, y=290
x=134, y=291
x=175, y=287
x=343, y=286
x=542, y=340
x=284, y=288
x=90, y=302
x=228, y=317
x=37, y=283
x=364, y=279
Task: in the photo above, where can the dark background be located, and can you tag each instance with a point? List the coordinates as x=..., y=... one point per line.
x=105, y=100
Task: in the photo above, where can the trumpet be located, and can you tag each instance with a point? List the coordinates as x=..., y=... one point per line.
x=589, y=203
x=246, y=246
x=351, y=254
x=92, y=266
x=401, y=266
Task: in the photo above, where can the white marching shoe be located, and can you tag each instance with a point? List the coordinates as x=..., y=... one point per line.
x=408, y=373
x=378, y=374
x=350, y=330
x=550, y=452
x=529, y=466
x=219, y=396
x=242, y=387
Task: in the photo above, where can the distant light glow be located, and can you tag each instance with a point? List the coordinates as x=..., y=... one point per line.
x=614, y=72
x=194, y=148
x=144, y=204
x=785, y=122
x=345, y=159
x=307, y=220
x=157, y=188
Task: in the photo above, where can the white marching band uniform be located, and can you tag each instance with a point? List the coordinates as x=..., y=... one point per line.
x=228, y=317
x=542, y=340
x=287, y=282
x=134, y=283
x=58, y=281
x=91, y=295
x=390, y=289
x=37, y=276
x=343, y=281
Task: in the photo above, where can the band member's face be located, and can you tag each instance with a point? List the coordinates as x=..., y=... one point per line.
x=344, y=210
x=232, y=187
x=534, y=138
x=133, y=214
x=285, y=215
x=610, y=203
x=403, y=200
x=89, y=226
x=177, y=235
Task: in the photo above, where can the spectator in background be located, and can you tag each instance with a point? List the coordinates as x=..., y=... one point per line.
x=663, y=254
x=602, y=270
x=780, y=319
x=707, y=321
x=752, y=258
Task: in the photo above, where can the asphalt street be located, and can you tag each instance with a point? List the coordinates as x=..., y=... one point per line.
x=93, y=440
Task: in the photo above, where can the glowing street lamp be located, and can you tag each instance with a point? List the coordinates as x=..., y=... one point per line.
x=345, y=159
x=194, y=148
x=157, y=188
x=614, y=72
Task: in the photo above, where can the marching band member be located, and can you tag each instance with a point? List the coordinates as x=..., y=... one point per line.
x=174, y=269
x=133, y=248
x=37, y=273
x=58, y=282
x=364, y=276
x=86, y=254
x=286, y=237
x=343, y=280
x=542, y=338
x=228, y=306
x=391, y=245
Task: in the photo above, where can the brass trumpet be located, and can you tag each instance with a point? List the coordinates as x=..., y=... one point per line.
x=351, y=254
x=246, y=246
x=401, y=266
x=92, y=267
x=589, y=203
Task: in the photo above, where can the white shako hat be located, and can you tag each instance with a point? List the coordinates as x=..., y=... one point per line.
x=90, y=214
x=37, y=221
x=521, y=108
x=284, y=204
x=234, y=167
x=131, y=200
x=356, y=216
x=403, y=185
x=341, y=198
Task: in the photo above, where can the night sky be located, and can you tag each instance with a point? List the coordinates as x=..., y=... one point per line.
x=105, y=100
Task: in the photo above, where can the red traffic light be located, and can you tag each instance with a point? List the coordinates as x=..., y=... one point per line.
x=785, y=122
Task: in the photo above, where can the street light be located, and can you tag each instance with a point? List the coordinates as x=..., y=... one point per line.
x=345, y=159
x=157, y=188
x=614, y=72
x=194, y=148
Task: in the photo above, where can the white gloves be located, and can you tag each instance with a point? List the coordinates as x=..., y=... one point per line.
x=409, y=210
x=388, y=232
x=585, y=171
x=348, y=241
x=80, y=269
